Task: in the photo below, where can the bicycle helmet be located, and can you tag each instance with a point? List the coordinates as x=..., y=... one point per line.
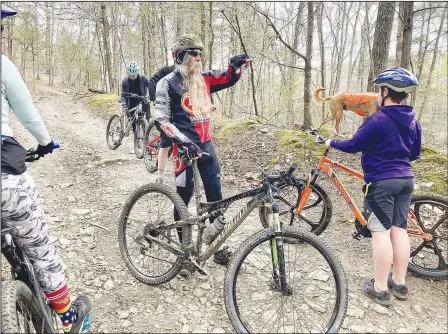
x=132, y=68
x=183, y=43
x=6, y=11
x=398, y=79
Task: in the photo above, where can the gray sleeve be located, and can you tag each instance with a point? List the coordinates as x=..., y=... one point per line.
x=163, y=112
x=19, y=98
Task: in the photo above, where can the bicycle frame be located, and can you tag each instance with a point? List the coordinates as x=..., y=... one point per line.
x=149, y=145
x=22, y=270
x=260, y=195
x=325, y=165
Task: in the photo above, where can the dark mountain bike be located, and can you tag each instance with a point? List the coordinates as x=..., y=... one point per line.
x=270, y=286
x=119, y=126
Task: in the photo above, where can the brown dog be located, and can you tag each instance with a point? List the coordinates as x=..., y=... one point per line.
x=363, y=104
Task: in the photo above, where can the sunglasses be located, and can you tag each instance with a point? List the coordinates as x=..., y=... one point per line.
x=194, y=53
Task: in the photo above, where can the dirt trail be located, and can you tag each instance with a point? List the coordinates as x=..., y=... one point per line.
x=80, y=195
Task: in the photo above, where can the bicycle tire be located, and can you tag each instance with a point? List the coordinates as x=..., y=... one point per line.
x=14, y=292
x=149, y=158
x=110, y=144
x=303, y=237
x=139, y=137
x=324, y=220
x=413, y=268
x=186, y=231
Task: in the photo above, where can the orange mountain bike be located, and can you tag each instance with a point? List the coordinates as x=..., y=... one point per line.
x=309, y=205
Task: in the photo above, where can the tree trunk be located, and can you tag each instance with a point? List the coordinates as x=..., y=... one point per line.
x=399, y=46
x=307, y=121
x=408, y=18
x=344, y=33
x=431, y=70
x=351, y=63
x=203, y=33
x=381, y=40
x=212, y=35
x=106, y=42
x=52, y=62
x=180, y=22
x=322, y=49
x=145, y=37
x=421, y=58
x=164, y=39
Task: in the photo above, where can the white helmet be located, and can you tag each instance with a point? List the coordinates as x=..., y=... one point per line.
x=132, y=68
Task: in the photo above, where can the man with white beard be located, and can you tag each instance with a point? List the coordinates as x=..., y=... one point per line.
x=183, y=108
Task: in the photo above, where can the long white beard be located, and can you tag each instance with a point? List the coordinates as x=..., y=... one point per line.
x=196, y=87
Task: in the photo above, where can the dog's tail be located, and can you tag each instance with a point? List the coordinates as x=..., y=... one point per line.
x=317, y=96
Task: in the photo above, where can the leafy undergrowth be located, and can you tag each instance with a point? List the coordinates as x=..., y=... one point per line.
x=431, y=170
x=104, y=105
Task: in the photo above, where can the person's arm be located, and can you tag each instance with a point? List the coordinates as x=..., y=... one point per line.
x=222, y=79
x=156, y=78
x=123, y=95
x=362, y=138
x=163, y=113
x=19, y=98
x=416, y=150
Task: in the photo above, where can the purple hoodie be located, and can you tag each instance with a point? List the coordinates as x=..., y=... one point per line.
x=389, y=139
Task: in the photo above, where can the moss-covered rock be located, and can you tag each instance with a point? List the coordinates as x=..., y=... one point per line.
x=104, y=104
x=234, y=127
x=431, y=170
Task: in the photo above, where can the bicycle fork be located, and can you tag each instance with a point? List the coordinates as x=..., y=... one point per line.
x=277, y=253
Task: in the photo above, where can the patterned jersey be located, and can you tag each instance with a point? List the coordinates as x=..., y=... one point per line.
x=173, y=105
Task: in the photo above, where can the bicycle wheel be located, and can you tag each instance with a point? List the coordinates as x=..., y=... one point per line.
x=139, y=137
x=149, y=211
x=316, y=214
x=317, y=296
x=151, y=141
x=430, y=258
x=114, y=132
x=21, y=312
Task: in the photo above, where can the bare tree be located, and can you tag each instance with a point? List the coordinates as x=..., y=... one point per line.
x=431, y=70
x=106, y=43
x=322, y=49
x=381, y=41
x=408, y=23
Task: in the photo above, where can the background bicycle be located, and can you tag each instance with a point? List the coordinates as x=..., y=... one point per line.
x=309, y=206
x=120, y=125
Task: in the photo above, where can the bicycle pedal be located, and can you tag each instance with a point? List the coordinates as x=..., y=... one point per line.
x=199, y=269
x=356, y=235
x=86, y=324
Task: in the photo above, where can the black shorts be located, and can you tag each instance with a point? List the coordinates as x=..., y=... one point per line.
x=386, y=203
x=165, y=141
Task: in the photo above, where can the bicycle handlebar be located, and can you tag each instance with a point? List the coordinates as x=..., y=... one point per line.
x=31, y=154
x=315, y=132
x=144, y=98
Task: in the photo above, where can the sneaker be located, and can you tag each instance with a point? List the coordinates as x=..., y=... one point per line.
x=82, y=307
x=381, y=297
x=400, y=291
x=223, y=256
x=159, y=180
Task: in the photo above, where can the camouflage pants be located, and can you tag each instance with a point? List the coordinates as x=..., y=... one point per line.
x=22, y=211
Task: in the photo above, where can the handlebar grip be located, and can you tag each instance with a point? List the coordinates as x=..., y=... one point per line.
x=291, y=169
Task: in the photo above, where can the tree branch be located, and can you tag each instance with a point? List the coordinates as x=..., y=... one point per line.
x=426, y=8
x=279, y=36
x=279, y=63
